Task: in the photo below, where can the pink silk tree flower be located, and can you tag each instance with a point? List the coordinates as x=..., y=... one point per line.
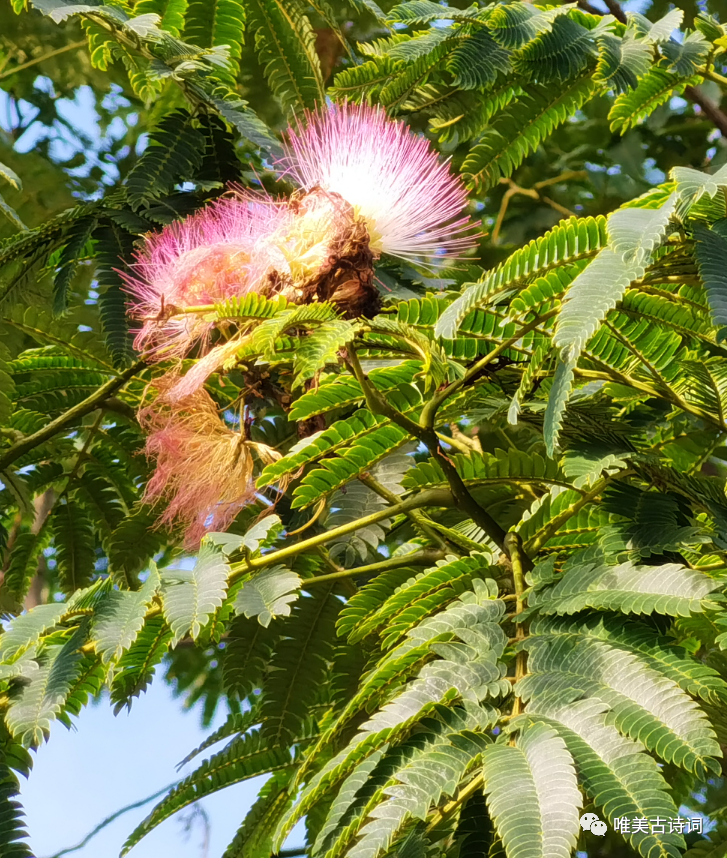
x=204, y=470
x=410, y=201
x=215, y=359
x=220, y=252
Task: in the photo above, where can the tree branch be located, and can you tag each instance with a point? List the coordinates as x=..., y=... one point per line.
x=91, y=403
x=72, y=47
x=418, y=558
x=430, y=497
x=708, y=107
x=514, y=548
x=417, y=518
x=379, y=405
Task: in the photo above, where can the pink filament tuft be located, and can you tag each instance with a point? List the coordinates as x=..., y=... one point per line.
x=393, y=178
x=203, y=469
x=220, y=252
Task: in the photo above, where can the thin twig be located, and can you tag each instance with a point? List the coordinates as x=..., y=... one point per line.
x=72, y=47
x=426, y=434
x=67, y=419
x=416, y=516
x=419, y=558
x=114, y=816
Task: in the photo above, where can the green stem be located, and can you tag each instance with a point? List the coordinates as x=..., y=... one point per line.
x=713, y=75
x=429, y=412
x=420, y=558
x=72, y=47
x=55, y=427
x=535, y=544
x=518, y=558
x=417, y=517
x=430, y=497
x=379, y=405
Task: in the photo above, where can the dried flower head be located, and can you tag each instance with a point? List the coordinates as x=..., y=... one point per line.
x=412, y=204
x=327, y=254
x=220, y=252
x=203, y=469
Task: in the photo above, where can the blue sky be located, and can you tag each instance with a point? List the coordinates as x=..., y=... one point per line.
x=82, y=776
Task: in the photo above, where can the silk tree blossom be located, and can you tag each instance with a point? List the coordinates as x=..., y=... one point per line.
x=368, y=186
x=220, y=252
x=204, y=470
x=410, y=201
x=216, y=359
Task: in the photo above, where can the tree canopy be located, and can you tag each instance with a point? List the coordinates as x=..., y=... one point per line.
x=444, y=437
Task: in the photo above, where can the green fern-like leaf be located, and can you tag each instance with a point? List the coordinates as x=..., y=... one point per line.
x=75, y=544
x=633, y=236
x=221, y=22
x=299, y=665
x=521, y=129
x=39, y=702
x=670, y=589
x=560, y=52
x=21, y=563
x=132, y=544
x=338, y=471
x=400, y=611
x=340, y=433
x=503, y=466
x=463, y=669
x=237, y=723
x=191, y=597
x=268, y=594
x=321, y=348
x=285, y=43
x=363, y=83
x=255, y=835
x=478, y=61
x=135, y=669
x=245, y=757
x=622, y=61
x=557, y=402
x=171, y=12
x=647, y=706
x=426, y=11
x=338, y=391
x=532, y=794
x=653, y=90
x=428, y=776
x=686, y=57
x=12, y=825
x=248, y=649
x=26, y=630
x=571, y=241
x=174, y=154
x=514, y=25
x=120, y=618
x=77, y=239
x=113, y=250
x=711, y=252
x=615, y=772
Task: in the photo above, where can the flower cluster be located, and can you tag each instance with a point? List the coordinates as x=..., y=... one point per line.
x=203, y=468
x=367, y=186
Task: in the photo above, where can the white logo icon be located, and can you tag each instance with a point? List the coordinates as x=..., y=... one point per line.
x=587, y=820
x=591, y=822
